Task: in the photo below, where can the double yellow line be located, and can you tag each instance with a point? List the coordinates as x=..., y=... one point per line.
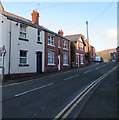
x=67, y=110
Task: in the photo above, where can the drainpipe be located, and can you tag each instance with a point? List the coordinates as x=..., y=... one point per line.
x=9, y=50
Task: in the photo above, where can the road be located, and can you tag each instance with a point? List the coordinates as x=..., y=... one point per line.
x=48, y=97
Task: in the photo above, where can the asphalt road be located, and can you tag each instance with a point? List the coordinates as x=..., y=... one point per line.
x=46, y=97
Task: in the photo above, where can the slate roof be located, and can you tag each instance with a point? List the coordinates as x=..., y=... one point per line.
x=22, y=20
x=75, y=37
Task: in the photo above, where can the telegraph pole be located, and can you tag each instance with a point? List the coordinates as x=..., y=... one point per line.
x=87, y=35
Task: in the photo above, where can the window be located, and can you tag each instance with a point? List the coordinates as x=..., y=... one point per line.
x=77, y=58
x=51, y=57
x=81, y=46
x=65, y=59
x=59, y=43
x=23, y=57
x=65, y=44
x=23, y=31
x=39, y=39
x=81, y=58
x=50, y=40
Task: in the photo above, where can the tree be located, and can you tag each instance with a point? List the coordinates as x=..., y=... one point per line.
x=73, y=49
x=87, y=57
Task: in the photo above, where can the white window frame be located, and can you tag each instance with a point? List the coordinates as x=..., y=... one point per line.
x=51, y=57
x=38, y=36
x=23, y=30
x=81, y=46
x=59, y=43
x=82, y=58
x=65, y=59
x=50, y=40
x=77, y=57
x=21, y=57
x=65, y=44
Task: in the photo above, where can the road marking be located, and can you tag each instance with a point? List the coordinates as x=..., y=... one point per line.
x=88, y=71
x=33, y=90
x=97, y=68
x=71, y=77
x=48, y=76
x=103, y=65
x=67, y=110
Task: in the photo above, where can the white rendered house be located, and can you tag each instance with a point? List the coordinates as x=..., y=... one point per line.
x=24, y=43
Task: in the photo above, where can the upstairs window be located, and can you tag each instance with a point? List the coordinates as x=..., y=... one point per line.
x=23, y=31
x=59, y=43
x=39, y=35
x=81, y=46
x=65, y=44
x=50, y=40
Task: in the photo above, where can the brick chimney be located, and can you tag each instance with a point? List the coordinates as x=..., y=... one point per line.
x=35, y=17
x=60, y=32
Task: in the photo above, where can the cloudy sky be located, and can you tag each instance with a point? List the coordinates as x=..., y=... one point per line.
x=71, y=17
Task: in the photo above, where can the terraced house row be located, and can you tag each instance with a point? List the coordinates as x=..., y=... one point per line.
x=31, y=48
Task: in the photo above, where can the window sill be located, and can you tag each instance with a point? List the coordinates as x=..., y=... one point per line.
x=51, y=64
x=24, y=39
x=65, y=49
x=51, y=45
x=23, y=65
x=65, y=64
x=39, y=42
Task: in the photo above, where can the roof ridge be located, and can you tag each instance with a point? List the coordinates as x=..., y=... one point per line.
x=14, y=15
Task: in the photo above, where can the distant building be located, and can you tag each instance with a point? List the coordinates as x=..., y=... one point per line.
x=105, y=54
x=77, y=50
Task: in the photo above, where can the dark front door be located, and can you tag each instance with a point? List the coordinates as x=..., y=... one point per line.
x=39, y=62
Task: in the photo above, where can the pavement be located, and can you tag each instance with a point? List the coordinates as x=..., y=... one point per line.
x=104, y=101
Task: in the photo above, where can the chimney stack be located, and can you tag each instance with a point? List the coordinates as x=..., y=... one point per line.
x=60, y=32
x=35, y=17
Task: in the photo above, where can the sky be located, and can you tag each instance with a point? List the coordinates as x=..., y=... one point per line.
x=71, y=17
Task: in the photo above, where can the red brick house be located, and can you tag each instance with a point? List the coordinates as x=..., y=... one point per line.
x=57, y=52
x=77, y=50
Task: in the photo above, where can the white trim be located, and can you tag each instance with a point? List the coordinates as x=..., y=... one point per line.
x=51, y=64
x=65, y=49
x=59, y=47
x=51, y=45
x=65, y=64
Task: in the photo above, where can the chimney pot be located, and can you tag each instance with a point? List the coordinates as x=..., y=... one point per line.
x=60, y=32
x=35, y=17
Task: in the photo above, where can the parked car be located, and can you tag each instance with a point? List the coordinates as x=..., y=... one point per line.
x=98, y=59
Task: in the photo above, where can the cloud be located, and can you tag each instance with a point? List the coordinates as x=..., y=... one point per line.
x=111, y=38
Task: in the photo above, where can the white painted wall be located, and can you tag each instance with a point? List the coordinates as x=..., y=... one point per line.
x=16, y=45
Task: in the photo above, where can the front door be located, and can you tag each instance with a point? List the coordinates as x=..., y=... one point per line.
x=59, y=62
x=39, y=62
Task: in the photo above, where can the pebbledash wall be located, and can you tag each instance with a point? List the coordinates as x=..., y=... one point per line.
x=12, y=57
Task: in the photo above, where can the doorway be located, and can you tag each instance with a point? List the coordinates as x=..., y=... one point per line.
x=39, y=62
x=59, y=67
